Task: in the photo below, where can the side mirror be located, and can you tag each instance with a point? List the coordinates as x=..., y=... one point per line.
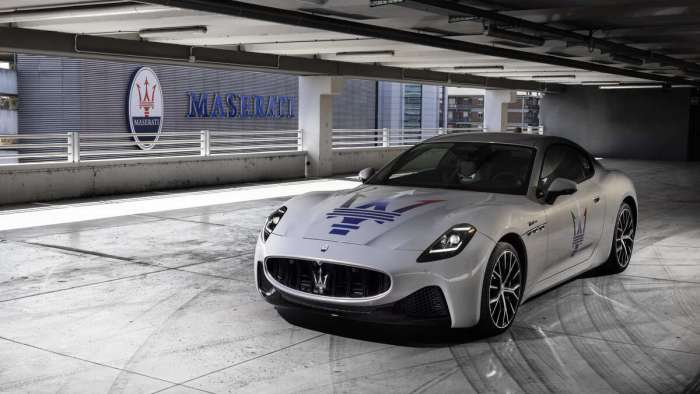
x=559, y=187
x=365, y=174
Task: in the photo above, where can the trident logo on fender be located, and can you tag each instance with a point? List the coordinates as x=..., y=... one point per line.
x=579, y=231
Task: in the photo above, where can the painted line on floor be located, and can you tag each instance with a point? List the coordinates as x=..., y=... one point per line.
x=71, y=213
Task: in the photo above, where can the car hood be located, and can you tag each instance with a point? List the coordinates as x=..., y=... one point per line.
x=396, y=216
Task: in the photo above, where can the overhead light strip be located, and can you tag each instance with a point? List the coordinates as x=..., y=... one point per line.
x=553, y=76
x=366, y=53
x=631, y=87
x=160, y=32
x=600, y=83
x=491, y=67
x=492, y=31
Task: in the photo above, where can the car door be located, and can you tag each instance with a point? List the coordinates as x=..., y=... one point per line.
x=575, y=221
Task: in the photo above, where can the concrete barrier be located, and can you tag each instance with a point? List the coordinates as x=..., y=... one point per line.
x=46, y=182
x=25, y=183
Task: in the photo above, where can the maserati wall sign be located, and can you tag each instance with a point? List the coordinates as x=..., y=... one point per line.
x=145, y=108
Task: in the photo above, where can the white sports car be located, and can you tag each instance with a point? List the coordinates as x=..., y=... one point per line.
x=458, y=231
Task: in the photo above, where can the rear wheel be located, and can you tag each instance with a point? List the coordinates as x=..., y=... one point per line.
x=623, y=240
x=502, y=290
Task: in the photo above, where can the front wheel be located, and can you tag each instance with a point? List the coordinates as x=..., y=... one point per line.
x=623, y=240
x=501, y=291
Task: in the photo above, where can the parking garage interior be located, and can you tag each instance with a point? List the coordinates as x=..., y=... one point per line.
x=127, y=243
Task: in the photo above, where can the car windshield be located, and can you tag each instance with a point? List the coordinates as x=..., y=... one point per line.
x=474, y=166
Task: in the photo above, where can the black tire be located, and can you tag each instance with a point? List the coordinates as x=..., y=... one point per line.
x=622, y=240
x=507, y=292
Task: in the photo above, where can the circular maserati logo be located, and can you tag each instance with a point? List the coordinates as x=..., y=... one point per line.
x=145, y=108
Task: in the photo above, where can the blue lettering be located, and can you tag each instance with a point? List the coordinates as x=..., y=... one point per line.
x=232, y=107
x=292, y=106
x=259, y=106
x=283, y=100
x=244, y=106
x=217, y=108
x=198, y=105
x=272, y=101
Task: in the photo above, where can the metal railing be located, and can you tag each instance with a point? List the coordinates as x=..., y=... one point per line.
x=383, y=138
x=76, y=147
x=525, y=128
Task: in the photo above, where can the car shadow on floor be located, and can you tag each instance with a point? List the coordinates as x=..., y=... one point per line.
x=403, y=335
x=391, y=334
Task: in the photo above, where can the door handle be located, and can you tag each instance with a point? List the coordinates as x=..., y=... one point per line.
x=596, y=199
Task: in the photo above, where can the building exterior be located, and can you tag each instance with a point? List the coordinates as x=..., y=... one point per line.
x=465, y=108
x=408, y=106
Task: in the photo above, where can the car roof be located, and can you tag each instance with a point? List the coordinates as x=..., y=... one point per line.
x=530, y=140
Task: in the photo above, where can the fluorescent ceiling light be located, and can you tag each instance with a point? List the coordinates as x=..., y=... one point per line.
x=36, y=15
x=378, y=3
x=632, y=87
x=553, y=76
x=492, y=31
x=173, y=31
x=478, y=67
x=366, y=53
x=600, y=83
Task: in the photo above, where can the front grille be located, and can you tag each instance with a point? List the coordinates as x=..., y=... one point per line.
x=426, y=302
x=308, y=276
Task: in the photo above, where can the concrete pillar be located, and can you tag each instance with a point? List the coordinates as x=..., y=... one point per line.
x=316, y=122
x=496, y=109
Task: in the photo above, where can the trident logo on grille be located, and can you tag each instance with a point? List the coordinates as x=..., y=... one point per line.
x=319, y=279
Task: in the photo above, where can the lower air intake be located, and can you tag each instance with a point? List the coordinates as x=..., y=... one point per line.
x=427, y=302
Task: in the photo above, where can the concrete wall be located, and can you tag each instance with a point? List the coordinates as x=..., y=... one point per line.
x=47, y=182
x=634, y=124
x=352, y=161
x=356, y=105
x=25, y=183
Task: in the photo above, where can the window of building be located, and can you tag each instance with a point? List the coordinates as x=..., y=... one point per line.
x=413, y=98
x=8, y=103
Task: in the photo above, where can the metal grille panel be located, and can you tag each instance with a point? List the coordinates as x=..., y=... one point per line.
x=342, y=281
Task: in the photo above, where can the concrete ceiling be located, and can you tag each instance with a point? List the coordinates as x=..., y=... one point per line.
x=663, y=27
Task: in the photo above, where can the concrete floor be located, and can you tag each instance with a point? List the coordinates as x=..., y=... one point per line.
x=166, y=302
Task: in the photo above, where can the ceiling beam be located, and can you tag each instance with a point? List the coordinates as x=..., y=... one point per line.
x=296, y=18
x=452, y=8
x=116, y=49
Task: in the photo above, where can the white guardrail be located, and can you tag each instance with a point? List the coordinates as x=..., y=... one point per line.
x=378, y=138
x=76, y=147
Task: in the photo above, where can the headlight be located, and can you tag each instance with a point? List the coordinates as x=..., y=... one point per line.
x=272, y=222
x=449, y=244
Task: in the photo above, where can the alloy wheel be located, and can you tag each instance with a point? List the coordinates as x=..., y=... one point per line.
x=624, y=237
x=505, y=289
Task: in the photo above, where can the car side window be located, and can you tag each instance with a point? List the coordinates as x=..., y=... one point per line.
x=562, y=161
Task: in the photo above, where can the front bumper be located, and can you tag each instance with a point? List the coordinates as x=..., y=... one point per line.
x=458, y=279
x=401, y=312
